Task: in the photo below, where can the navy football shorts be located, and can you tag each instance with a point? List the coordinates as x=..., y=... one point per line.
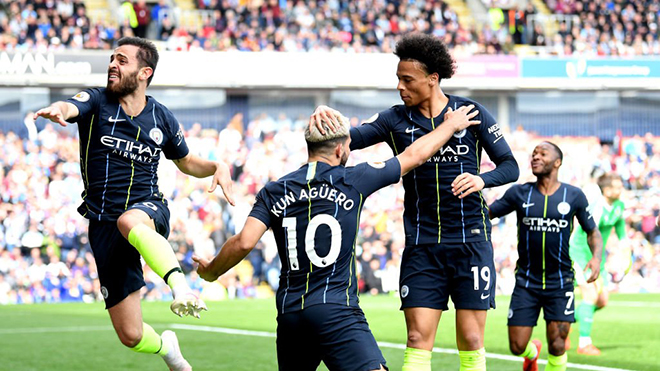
x=558, y=305
x=118, y=262
x=335, y=334
x=431, y=274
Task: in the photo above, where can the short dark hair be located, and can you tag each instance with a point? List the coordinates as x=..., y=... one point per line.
x=558, y=151
x=326, y=147
x=606, y=180
x=147, y=53
x=428, y=50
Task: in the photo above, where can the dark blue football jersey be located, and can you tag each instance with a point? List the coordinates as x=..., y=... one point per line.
x=545, y=224
x=119, y=153
x=432, y=213
x=315, y=214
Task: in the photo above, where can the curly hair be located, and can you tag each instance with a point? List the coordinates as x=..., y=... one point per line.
x=428, y=50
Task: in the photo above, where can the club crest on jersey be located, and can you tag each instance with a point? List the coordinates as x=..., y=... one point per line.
x=460, y=134
x=104, y=292
x=563, y=208
x=376, y=164
x=156, y=135
x=404, y=291
x=82, y=97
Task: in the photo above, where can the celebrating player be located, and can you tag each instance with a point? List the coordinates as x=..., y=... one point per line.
x=608, y=213
x=122, y=134
x=544, y=276
x=314, y=213
x=448, y=249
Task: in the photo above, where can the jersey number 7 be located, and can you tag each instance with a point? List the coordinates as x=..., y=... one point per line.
x=310, y=233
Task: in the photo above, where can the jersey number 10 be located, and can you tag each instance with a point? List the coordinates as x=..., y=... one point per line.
x=310, y=233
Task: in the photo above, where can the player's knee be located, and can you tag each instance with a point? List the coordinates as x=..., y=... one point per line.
x=472, y=340
x=601, y=303
x=416, y=339
x=557, y=346
x=517, y=347
x=124, y=224
x=130, y=337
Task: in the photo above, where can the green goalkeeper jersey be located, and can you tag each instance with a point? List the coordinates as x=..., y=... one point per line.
x=608, y=217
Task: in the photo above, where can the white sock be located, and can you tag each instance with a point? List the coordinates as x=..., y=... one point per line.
x=584, y=341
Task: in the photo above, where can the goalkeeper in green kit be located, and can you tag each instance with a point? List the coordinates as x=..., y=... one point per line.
x=608, y=214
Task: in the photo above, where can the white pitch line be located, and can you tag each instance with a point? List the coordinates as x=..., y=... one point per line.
x=42, y=330
x=382, y=344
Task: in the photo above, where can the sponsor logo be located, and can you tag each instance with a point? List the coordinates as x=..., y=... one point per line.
x=563, y=208
x=129, y=149
x=104, y=292
x=526, y=205
x=411, y=129
x=115, y=120
x=545, y=224
x=450, y=153
x=485, y=296
x=156, y=135
x=376, y=164
x=460, y=134
x=404, y=291
x=568, y=312
x=82, y=97
x=179, y=137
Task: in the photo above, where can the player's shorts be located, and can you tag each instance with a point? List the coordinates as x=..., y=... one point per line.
x=431, y=274
x=118, y=262
x=526, y=303
x=335, y=334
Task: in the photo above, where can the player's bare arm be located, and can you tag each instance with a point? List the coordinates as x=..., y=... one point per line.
x=58, y=112
x=423, y=148
x=201, y=168
x=232, y=252
x=595, y=241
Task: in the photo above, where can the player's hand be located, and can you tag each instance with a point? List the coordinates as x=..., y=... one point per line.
x=462, y=117
x=52, y=113
x=222, y=177
x=466, y=184
x=327, y=115
x=594, y=266
x=203, y=269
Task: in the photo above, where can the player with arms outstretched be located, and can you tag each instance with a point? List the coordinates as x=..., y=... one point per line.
x=608, y=212
x=445, y=216
x=123, y=131
x=314, y=213
x=546, y=210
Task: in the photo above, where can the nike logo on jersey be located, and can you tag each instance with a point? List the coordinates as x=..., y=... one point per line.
x=526, y=205
x=411, y=130
x=485, y=296
x=115, y=120
x=568, y=312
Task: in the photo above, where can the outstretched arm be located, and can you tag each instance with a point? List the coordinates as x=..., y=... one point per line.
x=201, y=168
x=423, y=148
x=58, y=112
x=233, y=251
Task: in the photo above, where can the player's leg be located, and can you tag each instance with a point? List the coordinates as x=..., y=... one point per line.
x=524, y=312
x=556, y=333
x=422, y=325
x=585, y=315
x=472, y=286
x=470, y=326
x=126, y=317
x=140, y=225
x=424, y=295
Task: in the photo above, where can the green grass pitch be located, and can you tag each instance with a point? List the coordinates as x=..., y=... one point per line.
x=80, y=337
